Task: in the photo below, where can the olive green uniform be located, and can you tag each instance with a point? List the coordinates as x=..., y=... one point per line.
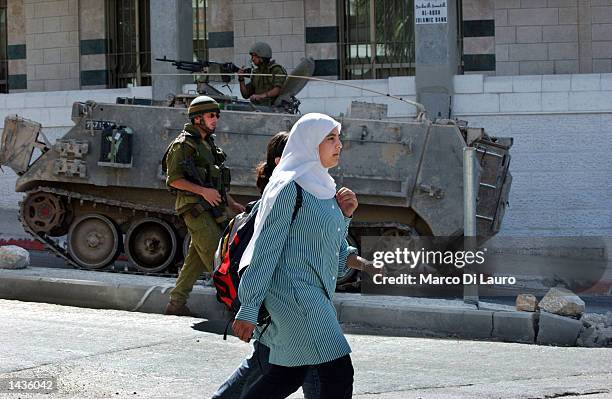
x=261, y=84
x=204, y=229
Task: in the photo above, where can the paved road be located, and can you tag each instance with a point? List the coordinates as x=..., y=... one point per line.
x=10, y=225
x=107, y=353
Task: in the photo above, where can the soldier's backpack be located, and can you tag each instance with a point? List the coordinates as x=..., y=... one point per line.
x=232, y=244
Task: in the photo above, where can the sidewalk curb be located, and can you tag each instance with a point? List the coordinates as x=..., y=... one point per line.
x=437, y=321
x=25, y=243
x=414, y=320
x=102, y=295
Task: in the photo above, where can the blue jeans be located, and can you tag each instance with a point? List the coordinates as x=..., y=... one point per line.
x=252, y=368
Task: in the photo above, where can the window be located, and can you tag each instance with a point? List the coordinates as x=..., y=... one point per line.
x=129, y=44
x=377, y=39
x=3, y=49
x=200, y=45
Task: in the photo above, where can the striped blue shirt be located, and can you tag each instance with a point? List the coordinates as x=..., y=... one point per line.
x=293, y=272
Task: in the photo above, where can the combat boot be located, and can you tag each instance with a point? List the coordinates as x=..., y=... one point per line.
x=178, y=308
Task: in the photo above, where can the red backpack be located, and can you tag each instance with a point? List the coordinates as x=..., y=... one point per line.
x=232, y=244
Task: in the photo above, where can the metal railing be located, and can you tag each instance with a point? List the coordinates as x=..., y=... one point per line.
x=200, y=39
x=128, y=58
x=3, y=49
x=376, y=38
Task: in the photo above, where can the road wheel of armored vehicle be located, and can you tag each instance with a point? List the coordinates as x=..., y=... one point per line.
x=410, y=231
x=396, y=232
x=44, y=213
x=150, y=244
x=93, y=241
x=62, y=229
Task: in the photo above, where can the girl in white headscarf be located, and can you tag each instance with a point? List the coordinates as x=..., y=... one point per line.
x=293, y=266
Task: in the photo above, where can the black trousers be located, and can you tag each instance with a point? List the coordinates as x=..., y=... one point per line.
x=278, y=382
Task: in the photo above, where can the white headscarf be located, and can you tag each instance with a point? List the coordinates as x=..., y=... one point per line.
x=300, y=163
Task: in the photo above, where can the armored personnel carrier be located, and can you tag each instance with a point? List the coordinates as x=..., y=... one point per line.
x=101, y=187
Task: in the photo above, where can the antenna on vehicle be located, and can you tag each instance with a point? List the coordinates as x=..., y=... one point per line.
x=420, y=107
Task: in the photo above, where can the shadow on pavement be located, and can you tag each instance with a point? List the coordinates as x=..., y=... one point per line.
x=214, y=326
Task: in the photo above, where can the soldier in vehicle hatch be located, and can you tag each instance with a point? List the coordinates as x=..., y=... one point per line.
x=196, y=171
x=263, y=90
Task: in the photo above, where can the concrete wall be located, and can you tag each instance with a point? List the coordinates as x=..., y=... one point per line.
x=553, y=36
x=92, y=44
x=478, y=36
x=16, y=46
x=278, y=23
x=562, y=129
x=220, y=29
x=56, y=45
x=66, y=42
x=322, y=36
x=52, y=41
x=294, y=29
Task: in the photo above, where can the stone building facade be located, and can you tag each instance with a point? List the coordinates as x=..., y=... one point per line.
x=55, y=45
x=553, y=37
x=64, y=44
x=537, y=37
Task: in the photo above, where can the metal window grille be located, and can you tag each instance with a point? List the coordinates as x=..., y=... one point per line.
x=377, y=39
x=129, y=43
x=3, y=49
x=200, y=41
x=460, y=37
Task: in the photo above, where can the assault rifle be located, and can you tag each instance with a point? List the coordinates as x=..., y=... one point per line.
x=193, y=174
x=199, y=66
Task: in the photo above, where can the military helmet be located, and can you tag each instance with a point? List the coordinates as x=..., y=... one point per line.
x=261, y=49
x=202, y=105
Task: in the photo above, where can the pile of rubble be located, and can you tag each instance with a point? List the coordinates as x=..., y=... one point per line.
x=561, y=320
x=596, y=330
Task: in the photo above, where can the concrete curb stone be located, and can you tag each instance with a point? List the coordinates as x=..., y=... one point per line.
x=442, y=318
x=474, y=324
x=558, y=330
x=100, y=295
x=514, y=326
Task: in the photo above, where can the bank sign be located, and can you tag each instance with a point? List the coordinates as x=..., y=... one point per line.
x=430, y=11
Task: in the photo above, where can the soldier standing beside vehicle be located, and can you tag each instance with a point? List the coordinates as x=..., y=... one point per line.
x=196, y=170
x=263, y=90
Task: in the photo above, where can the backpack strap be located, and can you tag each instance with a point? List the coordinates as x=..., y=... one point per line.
x=298, y=201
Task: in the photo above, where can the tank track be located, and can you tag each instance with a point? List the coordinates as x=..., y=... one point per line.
x=53, y=245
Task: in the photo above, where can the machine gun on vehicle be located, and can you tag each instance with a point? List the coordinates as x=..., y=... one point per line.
x=286, y=102
x=228, y=68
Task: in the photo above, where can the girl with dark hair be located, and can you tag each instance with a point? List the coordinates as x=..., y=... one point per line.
x=275, y=151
